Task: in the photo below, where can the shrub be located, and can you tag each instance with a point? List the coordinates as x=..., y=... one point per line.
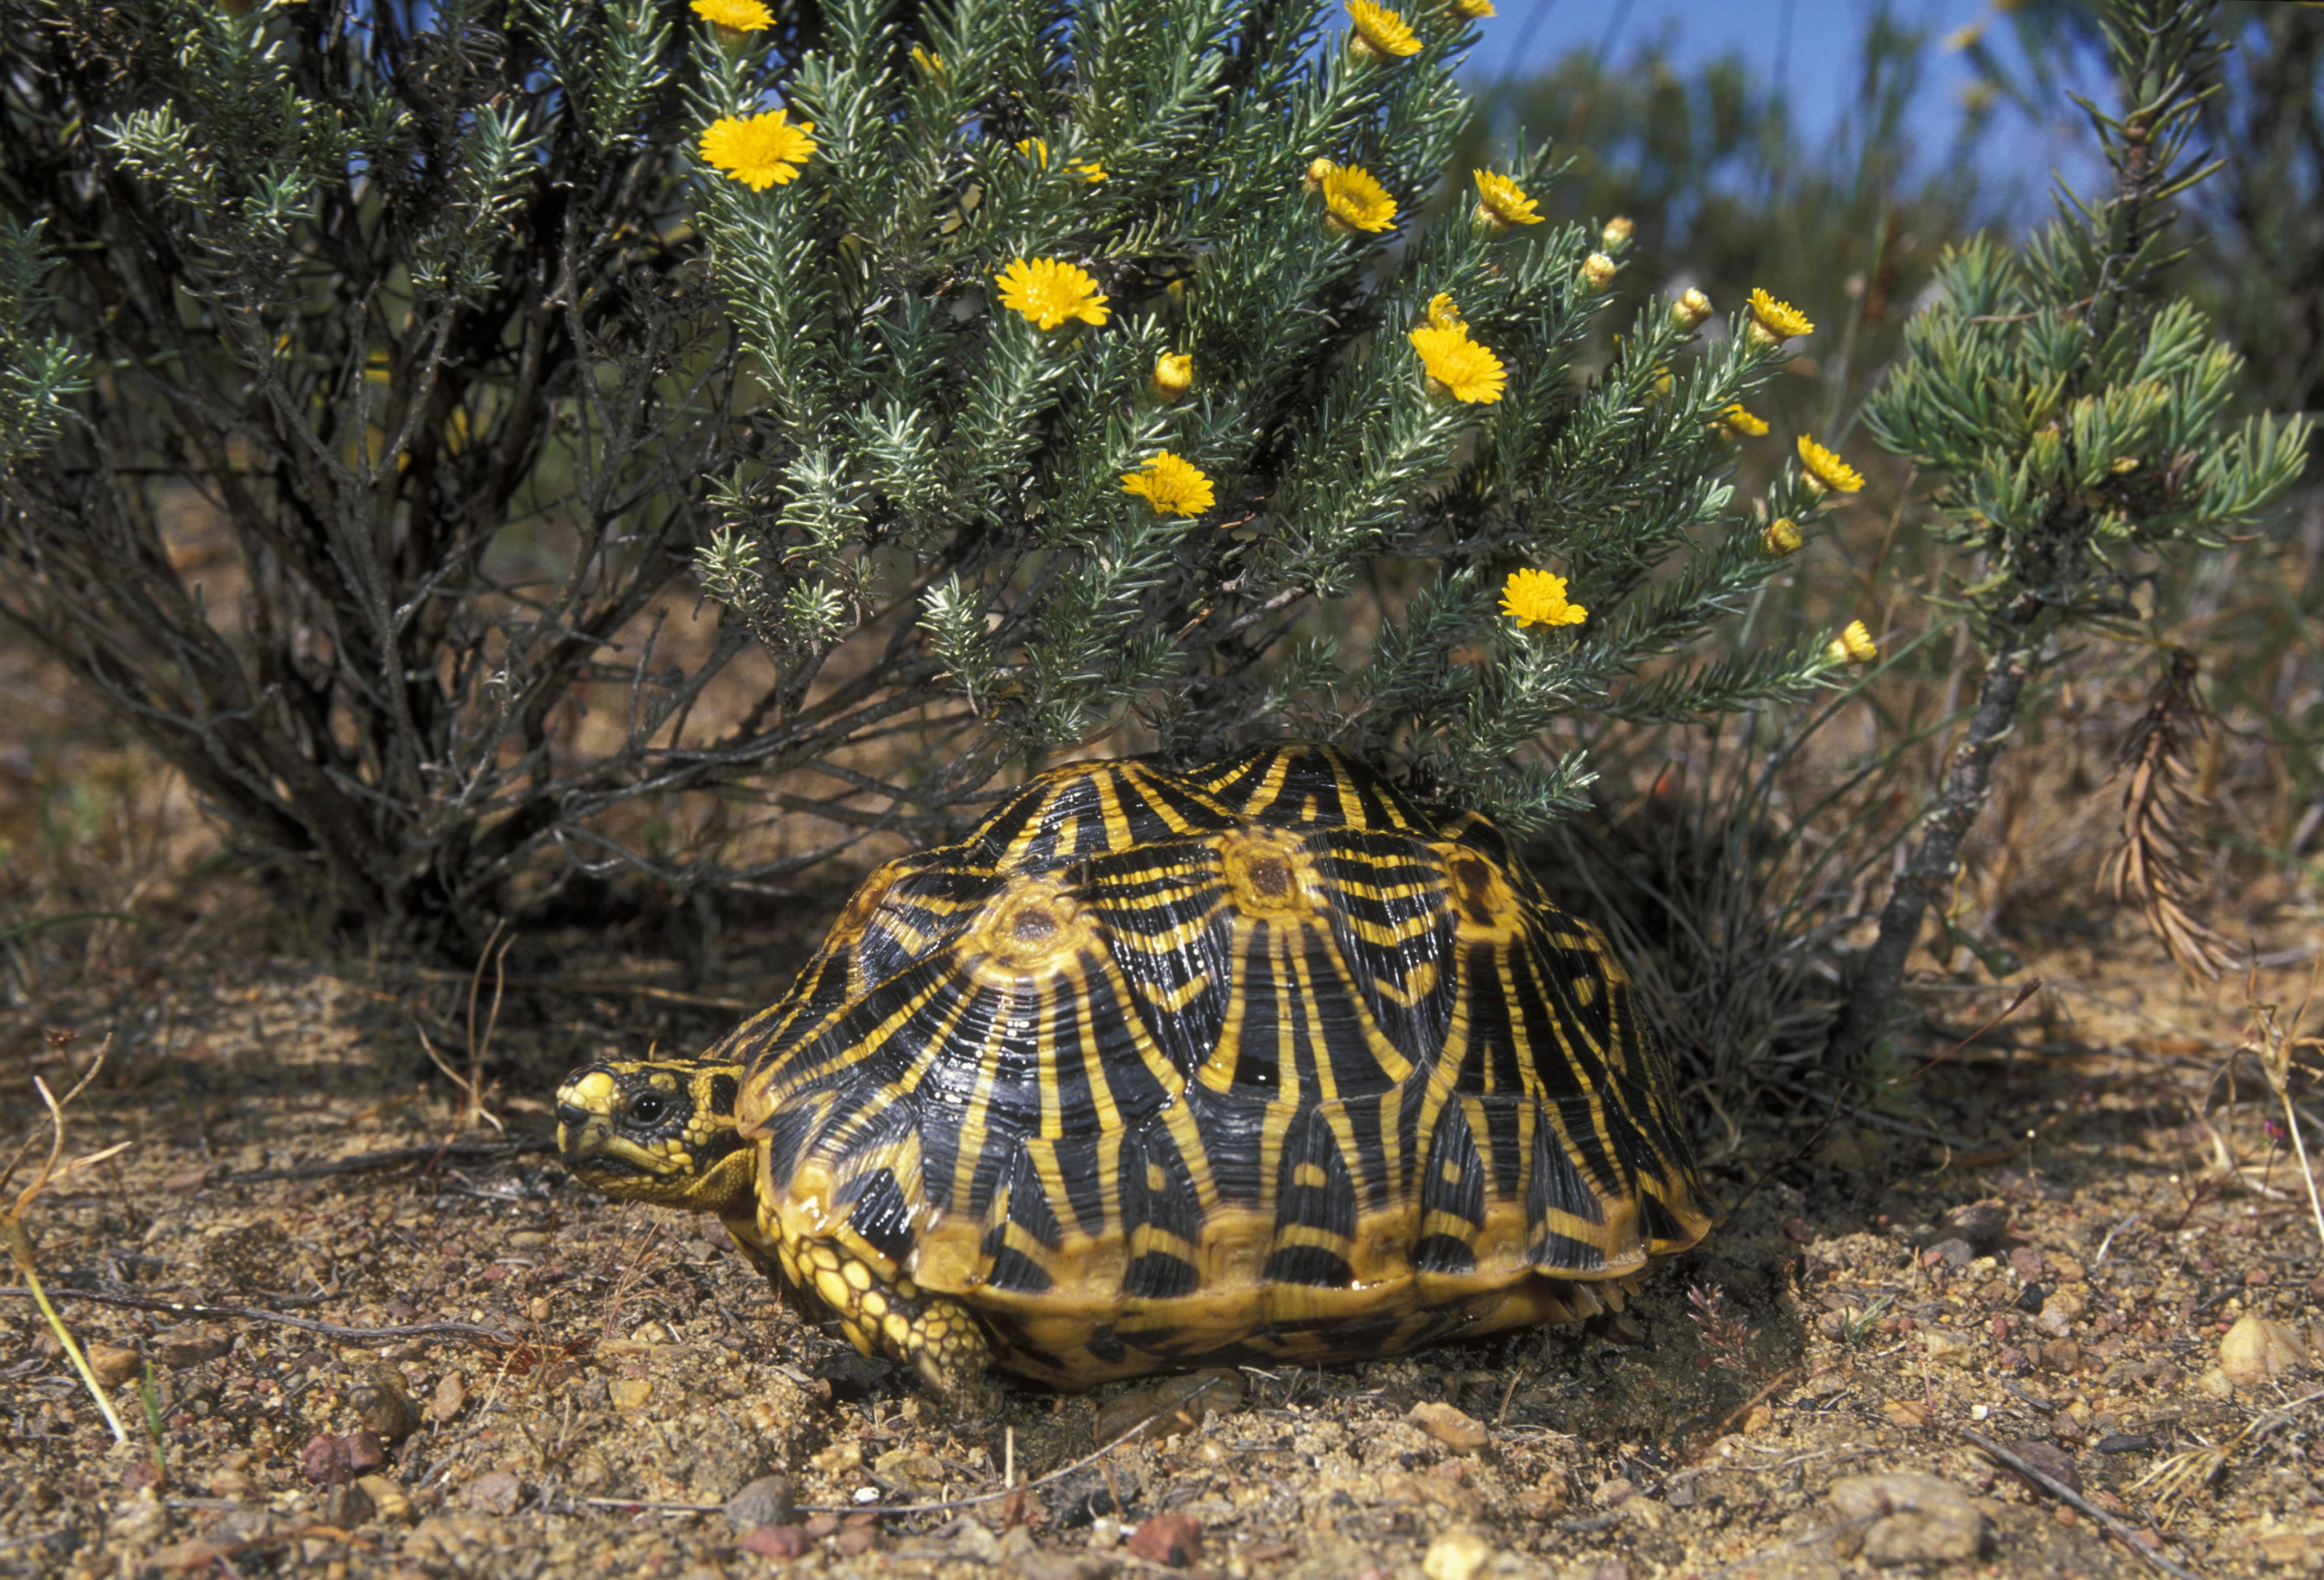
x=2071, y=411
x=1015, y=380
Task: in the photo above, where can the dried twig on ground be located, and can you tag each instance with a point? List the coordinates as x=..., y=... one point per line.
x=2058, y=1490
x=2159, y=804
x=479, y=1152
x=261, y=1314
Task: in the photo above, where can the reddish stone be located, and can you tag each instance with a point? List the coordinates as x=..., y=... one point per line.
x=324, y=1460
x=776, y=1541
x=1175, y=1540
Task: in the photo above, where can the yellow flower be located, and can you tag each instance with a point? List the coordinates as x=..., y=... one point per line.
x=928, y=60
x=1048, y=291
x=1829, y=470
x=1537, y=598
x=1773, y=322
x=1853, y=645
x=1502, y=203
x=1457, y=365
x=1172, y=485
x=1380, y=31
x=1088, y=170
x=1618, y=230
x=1473, y=10
x=1744, y=424
x=1597, y=271
x=1354, y=201
x=1443, y=314
x=1174, y=375
x=742, y=15
x=762, y=152
x=1782, y=538
x=1691, y=309
x=1035, y=149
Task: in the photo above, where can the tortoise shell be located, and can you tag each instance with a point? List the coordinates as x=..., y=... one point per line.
x=1261, y=1060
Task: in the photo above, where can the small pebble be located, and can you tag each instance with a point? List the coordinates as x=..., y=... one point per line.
x=378, y=1397
x=348, y=1506
x=1980, y=1223
x=1953, y=1250
x=768, y=1501
x=1457, y=1554
x=189, y=1346
x=232, y=1484
x=2051, y=1460
x=1906, y=1517
x=2258, y=1350
x=389, y=1501
x=186, y=1558
x=1175, y=1540
x=324, y=1460
x=776, y=1541
x=2123, y=1443
x=1456, y=1428
x=450, y=1398
x=496, y=1492
x=113, y=1365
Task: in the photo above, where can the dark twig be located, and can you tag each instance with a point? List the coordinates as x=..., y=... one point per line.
x=2065, y=1495
x=259, y=1314
x=480, y=1152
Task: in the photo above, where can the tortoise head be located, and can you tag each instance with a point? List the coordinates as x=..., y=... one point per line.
x=660, y=1130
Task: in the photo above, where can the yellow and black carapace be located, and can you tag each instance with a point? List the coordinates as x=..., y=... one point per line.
x=1261, y=1061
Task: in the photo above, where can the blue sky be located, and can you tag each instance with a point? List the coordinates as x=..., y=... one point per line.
x=1814, y=45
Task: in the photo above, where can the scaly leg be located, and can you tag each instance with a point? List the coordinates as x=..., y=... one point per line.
x=933, y=1336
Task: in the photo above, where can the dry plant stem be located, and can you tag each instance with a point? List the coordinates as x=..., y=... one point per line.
x=2066, y=1494
x=2277, y=1044
x=20, y=1250
x=261, y=1314
x=20, y=1239
x=1873, y=997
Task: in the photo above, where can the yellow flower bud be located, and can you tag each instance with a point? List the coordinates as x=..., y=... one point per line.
x=1690, y=309
x=1853, y=645
x=1317, y=169
x=1174, y=375
x=1782, y=538
x=1618, y=231
x=1597, y=271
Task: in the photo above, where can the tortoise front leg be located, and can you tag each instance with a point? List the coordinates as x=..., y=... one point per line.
x=933, y=1336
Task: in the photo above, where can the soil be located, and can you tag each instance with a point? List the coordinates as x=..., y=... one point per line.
x=475, y=1367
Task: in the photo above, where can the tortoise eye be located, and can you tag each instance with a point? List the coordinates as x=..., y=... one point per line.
x=648, y=1107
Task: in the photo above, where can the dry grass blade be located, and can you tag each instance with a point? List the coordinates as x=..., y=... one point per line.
x=2276, y=1044
x=2159, y=802
x=19, y=1238
x=2180, y=1477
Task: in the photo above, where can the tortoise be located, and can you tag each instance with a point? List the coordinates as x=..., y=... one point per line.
x=1262, y=1060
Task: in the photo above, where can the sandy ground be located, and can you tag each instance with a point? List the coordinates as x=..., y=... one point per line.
x=2034, y=1243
